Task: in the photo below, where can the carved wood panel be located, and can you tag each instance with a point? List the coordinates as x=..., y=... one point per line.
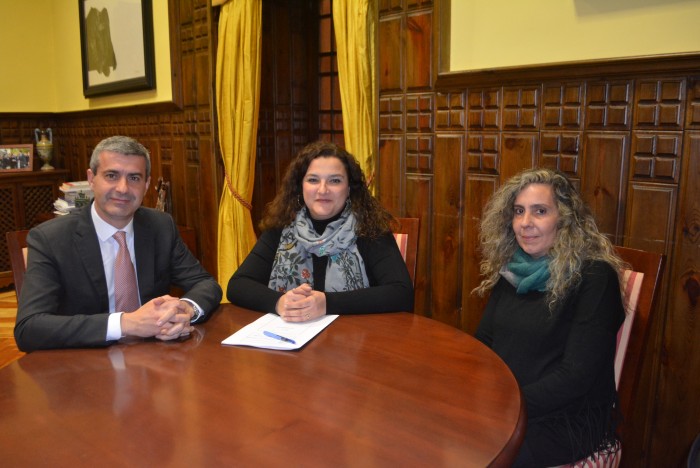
x=419, y=200
x=390, y=162
x=603, y=180
x=419, y=32
x=562, y=105
x=677, y=414
x=445, y=224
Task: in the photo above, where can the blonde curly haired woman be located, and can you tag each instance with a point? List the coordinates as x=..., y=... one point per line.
x=554, y=310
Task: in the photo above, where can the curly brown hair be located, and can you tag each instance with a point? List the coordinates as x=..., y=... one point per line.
x=372, y=219
x=578, y=238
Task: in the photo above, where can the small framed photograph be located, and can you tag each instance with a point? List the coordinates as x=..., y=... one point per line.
x=116, y=41
x=16, y=158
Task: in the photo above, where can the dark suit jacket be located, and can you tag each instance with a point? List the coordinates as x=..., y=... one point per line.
x=64, y=300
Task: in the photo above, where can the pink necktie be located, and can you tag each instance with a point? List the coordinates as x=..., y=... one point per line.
x=126, y=291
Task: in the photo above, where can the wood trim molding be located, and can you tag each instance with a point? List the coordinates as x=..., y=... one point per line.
x=686, y=63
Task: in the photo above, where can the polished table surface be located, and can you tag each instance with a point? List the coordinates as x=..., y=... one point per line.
x=370, y=390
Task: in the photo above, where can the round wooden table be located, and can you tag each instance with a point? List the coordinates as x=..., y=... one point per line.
x=370, y=390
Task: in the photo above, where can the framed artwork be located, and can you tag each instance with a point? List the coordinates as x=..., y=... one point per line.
x=116, y=41
x=16, y=158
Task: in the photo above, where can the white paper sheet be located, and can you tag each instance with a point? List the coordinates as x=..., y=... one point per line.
x=300, y=332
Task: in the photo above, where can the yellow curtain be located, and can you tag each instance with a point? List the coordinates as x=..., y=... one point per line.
x=237, y=104
x=355, y=23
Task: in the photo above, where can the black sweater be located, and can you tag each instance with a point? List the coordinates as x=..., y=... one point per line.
x=390, y=288
x=563, y=360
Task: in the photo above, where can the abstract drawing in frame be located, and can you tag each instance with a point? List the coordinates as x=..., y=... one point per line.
x=116, y=40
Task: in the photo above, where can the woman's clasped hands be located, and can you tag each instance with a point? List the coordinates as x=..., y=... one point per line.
x=301, y=304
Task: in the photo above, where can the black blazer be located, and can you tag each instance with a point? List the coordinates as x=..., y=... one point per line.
x=64, y=300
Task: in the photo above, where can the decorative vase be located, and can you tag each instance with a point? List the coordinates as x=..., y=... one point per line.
x=44, y=146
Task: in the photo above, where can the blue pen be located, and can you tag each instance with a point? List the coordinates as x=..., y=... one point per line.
x=278, y=337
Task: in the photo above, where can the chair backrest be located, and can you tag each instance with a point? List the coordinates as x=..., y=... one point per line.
x=632, y=286
x=694, y=454
x=407, y=239
x=644, y=277
x=17, y=248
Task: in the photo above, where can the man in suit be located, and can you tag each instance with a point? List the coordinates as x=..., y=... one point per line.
x=68, y=295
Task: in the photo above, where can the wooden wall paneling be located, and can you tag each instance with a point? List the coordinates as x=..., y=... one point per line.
x=563, y=105
x=265, y=185
x=518, y=151
x=521, y=108
x=478, y=190
x=450, y=111
x=656, y=156
x=419, y=204
x=388, y=6
x=419, y=3
x=652, y=195
x=609, y=105
x=604, y=179
x=390, y=170
x=391, y=114
x=677, y=406
x=445, y=224
x=189, y=80
x=651, y=211
x=419, y=50
x=561, y=151
x=660, y=103
x=484, y=112
x=207, y=194
x=646, y=202
x=419, y=153
x=483, y=152
x=391, y=66
x=692, y=120
x=419, y=112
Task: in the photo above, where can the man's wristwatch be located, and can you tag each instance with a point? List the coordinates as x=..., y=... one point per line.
x=197, y=313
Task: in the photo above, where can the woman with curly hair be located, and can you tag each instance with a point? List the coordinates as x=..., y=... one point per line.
x=554, y=310
x=326, y=245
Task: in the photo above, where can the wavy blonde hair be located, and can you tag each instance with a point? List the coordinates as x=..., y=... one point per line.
x=577, y=241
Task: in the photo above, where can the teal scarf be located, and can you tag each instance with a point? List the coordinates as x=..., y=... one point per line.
x=526, y=273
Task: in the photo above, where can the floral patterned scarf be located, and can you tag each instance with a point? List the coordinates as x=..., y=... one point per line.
x=293, y=263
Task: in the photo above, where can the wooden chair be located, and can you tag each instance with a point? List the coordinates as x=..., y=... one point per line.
x=641, y=285
x=407, y=239
x=17, y=248
x=651, y=265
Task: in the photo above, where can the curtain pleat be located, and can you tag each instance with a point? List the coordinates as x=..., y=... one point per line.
x=355, y=27
x=237, y=95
